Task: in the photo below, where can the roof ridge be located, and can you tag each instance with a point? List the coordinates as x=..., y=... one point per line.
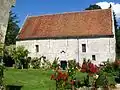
x=70, y=12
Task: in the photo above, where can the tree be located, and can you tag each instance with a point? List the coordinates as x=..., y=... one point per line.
x=117, y=32
x=117, y=36
x=92, y=7
x=12, y=29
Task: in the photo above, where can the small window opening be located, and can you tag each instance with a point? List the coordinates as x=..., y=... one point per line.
x=83, y=47
x=93, y=57
x=37, y=48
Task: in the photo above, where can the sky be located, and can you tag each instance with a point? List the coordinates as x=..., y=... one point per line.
x=24, y=8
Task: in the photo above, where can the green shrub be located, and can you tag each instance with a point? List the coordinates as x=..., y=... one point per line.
x=78, y=65
x=72, y=63
x=18, y=54
x=45, y=63
x=26, y=62
x=108, y=67
x=36, y=63
x=112, y=68
x=55, y=63
x=41, y=62
x=102, y=81
x=1, y=76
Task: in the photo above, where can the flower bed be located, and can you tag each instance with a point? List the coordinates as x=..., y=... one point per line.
x=96, y=77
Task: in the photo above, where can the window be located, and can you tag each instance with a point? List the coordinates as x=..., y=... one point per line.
x=37, y=48
x=83, y=47
x=93, y=57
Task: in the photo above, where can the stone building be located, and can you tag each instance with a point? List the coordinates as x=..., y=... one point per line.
x=76, y=35
x=5, y=6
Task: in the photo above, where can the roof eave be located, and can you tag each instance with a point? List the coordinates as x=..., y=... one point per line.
x=66, y=37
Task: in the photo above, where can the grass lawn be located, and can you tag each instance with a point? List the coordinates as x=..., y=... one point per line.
x=32, y=79
x=35, y=79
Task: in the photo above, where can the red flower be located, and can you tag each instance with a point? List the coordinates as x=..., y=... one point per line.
x=83, y=70
x=84, y=66
x=72, y=82
x=117, y=62
x=52, y=77
x=65, y=76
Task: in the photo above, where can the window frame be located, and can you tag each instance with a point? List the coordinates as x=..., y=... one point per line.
x=83, y=47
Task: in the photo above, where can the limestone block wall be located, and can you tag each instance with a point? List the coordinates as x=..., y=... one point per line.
x=67, y=49
x=102, y=48
x=5, y=6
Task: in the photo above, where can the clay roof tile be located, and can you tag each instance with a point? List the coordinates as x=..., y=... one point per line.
x=86, y=23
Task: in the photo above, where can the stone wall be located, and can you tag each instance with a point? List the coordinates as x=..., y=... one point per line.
x=102, y=48
x=5, y=6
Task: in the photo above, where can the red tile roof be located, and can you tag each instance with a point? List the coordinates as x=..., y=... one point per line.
x=86, y=23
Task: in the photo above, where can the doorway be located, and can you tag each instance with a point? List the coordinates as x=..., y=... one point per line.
x=63, y=64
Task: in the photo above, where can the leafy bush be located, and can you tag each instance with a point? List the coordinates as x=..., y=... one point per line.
x=72, y=63
x=1, y=76
x=1, y=49
x=26, y=62
x=45, y=63
x=78, y=66
x=61, y=79
x=117, y=79
x=111, y=67
x=72, y=68
x=108, y=67
x=89, y=67
x=41, y=62
x=101, y=81
x=19, y=54
x=84, y=66
x=72, y=72
x=116, y=65
x=36, y=63
x=55, y=63
x=67, y=80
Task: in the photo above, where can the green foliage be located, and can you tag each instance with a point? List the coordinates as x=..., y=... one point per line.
x=92, y=7
x=36, y=63
x=108, y=67
x=41, y=62
x=86, y=81
x=117, y=32
x=102, y=80
x=26, y=62
x=1, y=49
x=1, y=67
x=1, y=74
x=117, y=36
x=72, y=73
x=19, y=54
x=72, y=63
x=111, y=67
x=61, y=79
x=55, y=63
x=109, y=70
x=78, y=66
x=45, y=63
x=72, y=68
x=12, y=29
x=7, y=59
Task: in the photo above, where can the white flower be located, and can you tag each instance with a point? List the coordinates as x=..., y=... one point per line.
x=96, y=76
